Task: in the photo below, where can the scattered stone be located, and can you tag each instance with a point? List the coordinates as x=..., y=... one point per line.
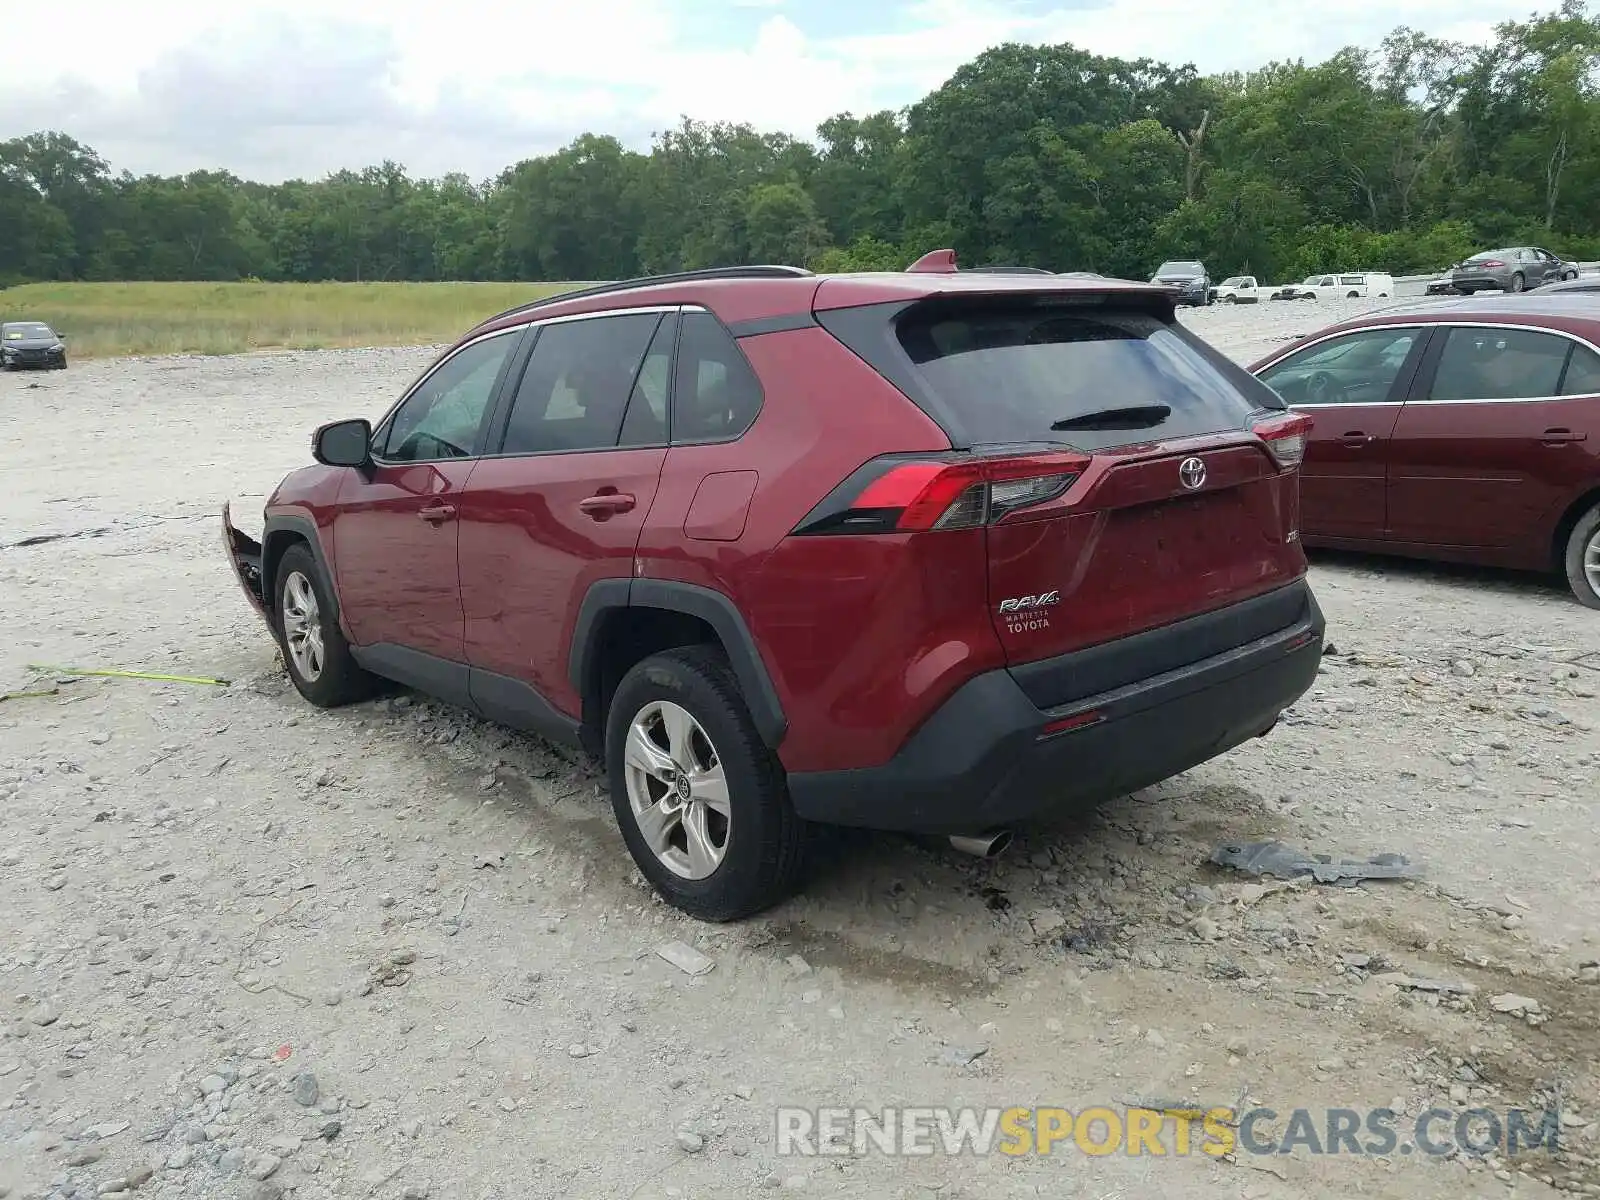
x=213, y=1085
x=1513, y=1004
x=685, y=957
x=84, y=1155
x=262, y=1166
x=194, y=1135
x=112, y=1187
x=44, y=1014
x=415, y=1191
x=1463, y=669
x=109, y=1129
x=1205, y=929
x=962, y=1056
x=329, y=1130
x=690, y=1142
x=1238, y=1047
x=180, y=1158
x=506, y=1104
x=305, y=1091
x=269, y=1189
x=412, y=1128
x=1047, y=919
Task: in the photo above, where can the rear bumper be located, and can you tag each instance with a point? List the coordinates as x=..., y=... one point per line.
x=981, y=760
x=1479, y=280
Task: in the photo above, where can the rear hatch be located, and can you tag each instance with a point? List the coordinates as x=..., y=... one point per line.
x=1127, y=476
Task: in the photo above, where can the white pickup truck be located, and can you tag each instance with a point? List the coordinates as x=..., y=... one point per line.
x=1238, y=289
x=1326, y=287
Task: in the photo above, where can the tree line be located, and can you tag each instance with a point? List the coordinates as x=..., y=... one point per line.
x=1405, y=157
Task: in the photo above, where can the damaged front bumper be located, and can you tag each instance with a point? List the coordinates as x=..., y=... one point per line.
x=244, y=554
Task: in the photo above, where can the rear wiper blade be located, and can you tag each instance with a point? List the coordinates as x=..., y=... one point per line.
x=1134, y=416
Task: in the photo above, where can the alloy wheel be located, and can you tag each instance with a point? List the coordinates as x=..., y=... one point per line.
x=677, y=790
x=302, y=626
x=1591, y=561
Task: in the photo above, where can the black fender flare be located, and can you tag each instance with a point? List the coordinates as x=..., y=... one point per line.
x=606, y=596
x=278, y=531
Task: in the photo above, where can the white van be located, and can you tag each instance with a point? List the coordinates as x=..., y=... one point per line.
x=1354, y=285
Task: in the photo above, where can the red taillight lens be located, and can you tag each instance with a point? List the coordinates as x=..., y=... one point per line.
x=1491, y=262
x=908, y=495
x=1285, y=438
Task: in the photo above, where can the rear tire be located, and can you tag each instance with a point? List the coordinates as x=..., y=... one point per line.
x=315, y=652
x=700, y=799
x=1518, y=283
x=1583, y=558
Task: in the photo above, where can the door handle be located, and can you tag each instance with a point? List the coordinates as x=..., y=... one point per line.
x=438, y=514
x=1554, y=437
x=606, y=504
x=1357, y=438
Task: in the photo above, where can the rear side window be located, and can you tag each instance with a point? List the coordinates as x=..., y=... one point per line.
x=1088, y=377
x=716, y=395
x=1583, y=373
x=1499, y=364
x=577, y=384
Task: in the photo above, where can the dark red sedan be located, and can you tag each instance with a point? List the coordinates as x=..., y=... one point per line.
x=1466, y=430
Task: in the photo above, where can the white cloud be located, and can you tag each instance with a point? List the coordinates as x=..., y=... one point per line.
x=276, y=87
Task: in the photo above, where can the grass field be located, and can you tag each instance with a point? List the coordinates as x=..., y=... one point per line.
x=102, y=319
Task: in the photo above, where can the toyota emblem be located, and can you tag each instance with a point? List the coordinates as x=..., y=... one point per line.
x=1191, y=473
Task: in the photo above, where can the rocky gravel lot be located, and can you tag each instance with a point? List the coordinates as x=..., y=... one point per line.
x=249, y=949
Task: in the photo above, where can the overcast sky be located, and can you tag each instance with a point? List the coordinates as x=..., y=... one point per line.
x=271, y=89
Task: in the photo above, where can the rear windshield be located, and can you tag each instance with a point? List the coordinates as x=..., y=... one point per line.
x=999, y=373
x=1490, y=254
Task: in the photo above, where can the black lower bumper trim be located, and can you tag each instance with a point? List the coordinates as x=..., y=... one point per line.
x=981, y=761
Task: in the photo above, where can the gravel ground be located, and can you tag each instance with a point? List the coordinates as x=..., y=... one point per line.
x=251, y=949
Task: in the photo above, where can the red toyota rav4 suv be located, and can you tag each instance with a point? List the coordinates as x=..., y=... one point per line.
x=930, y=551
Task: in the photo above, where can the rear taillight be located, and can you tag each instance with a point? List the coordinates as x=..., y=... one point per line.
x=1285, y=438
x=1491, y=262
x=904, y=494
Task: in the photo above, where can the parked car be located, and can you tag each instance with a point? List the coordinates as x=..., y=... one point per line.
x=928, y=551
x=1351, y=285
x=1238, y=289
x=1188, y=279
x=31, y=344
x=1514, y=269
x=1463, y=430
x=1573, y=283
x=1440, y=287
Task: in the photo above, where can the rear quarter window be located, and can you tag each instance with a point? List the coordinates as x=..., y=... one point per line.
x=1007, y=373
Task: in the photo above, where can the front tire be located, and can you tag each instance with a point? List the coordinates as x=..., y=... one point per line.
x=315, y=652
x=1583, y=558
x=701, y=801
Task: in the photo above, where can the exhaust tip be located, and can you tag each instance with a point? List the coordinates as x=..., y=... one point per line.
x=982, y=845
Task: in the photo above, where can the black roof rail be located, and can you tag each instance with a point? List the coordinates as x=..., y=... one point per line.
x=1005, y=271
x=627, y=285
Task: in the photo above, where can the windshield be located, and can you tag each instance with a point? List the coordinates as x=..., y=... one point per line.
x=29, y=330
x=1180, y=268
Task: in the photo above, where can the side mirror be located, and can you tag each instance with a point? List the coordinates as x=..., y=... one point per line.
x=60, y=337
x=343, y=443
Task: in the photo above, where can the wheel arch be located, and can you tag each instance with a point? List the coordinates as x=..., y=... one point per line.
x=1568, y=522
x=622, y=621
x=281, y=531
